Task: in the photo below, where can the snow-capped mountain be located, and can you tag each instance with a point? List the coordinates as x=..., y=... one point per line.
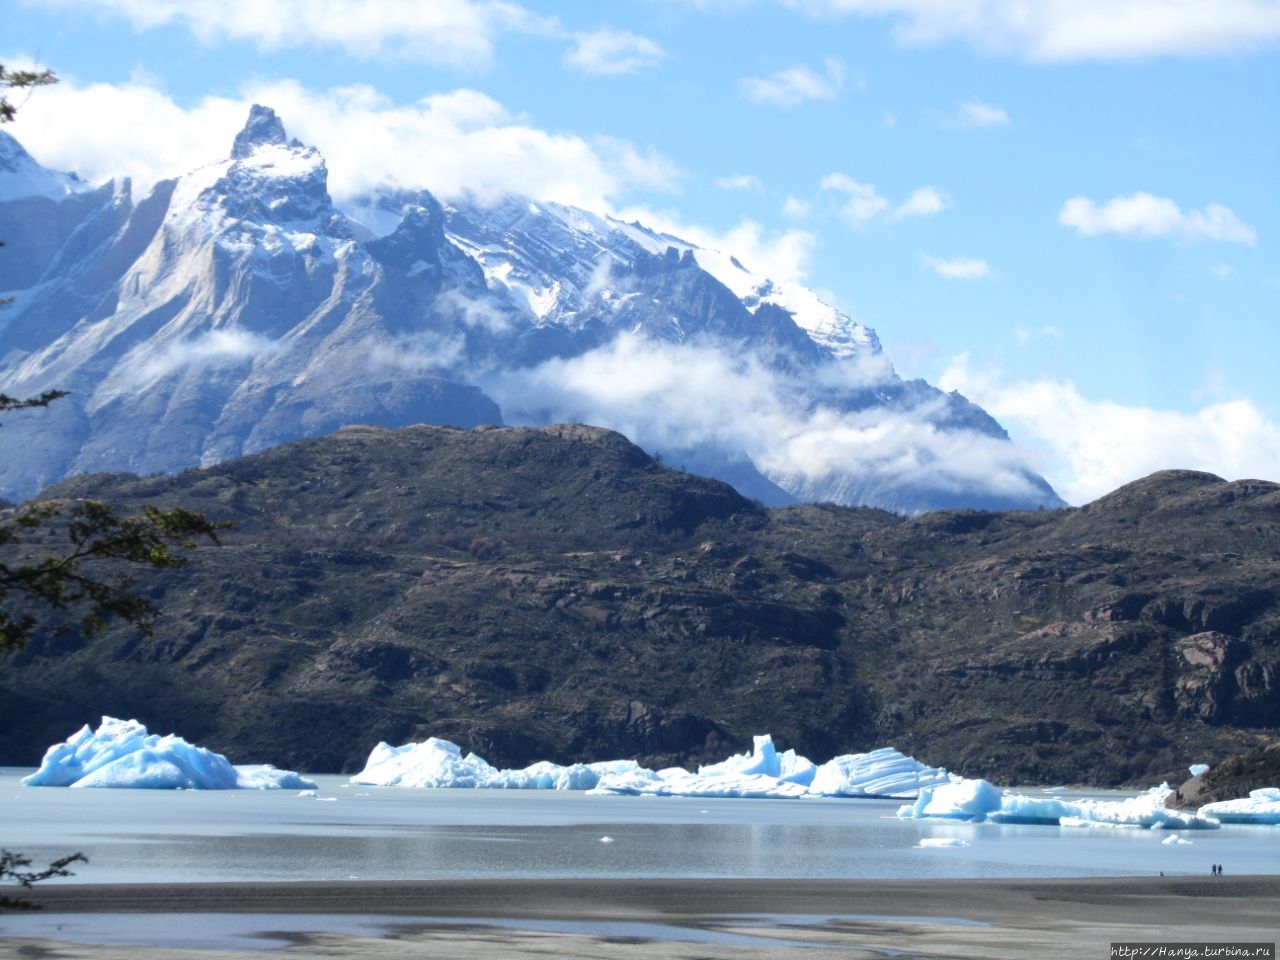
x=237, y=307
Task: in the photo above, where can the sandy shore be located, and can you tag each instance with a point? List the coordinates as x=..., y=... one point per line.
x=673, y=918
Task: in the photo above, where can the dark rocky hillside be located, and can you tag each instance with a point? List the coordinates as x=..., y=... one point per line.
x=556, y=594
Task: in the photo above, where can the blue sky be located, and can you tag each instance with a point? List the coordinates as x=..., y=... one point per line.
x=1068, y=210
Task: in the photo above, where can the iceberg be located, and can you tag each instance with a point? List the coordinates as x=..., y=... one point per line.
x=122, y=754
x=962, y=800
x=764, y=760
x=433, y=763
x=678, y=782
x=440, y=763
x=979, y=801
x=1145, y=810
x=762, y=773
x=880, y=773
x=1261, y=806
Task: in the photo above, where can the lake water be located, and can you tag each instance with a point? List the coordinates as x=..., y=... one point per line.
x=394, y=833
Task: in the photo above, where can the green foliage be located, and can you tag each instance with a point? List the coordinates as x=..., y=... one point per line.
x=74, y=554
x=20, y=80
x=13, y=868
x=12, y=403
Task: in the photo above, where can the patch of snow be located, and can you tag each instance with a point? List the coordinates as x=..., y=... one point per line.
x=1198, y=769
x=22, y=176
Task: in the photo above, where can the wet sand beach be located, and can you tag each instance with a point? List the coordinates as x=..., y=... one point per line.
x=662, y=918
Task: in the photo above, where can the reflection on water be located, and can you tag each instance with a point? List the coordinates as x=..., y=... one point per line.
x=390, y=833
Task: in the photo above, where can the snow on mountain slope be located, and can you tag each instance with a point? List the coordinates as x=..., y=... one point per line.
x=22, y=177
x=580, y=248
x=236, y=307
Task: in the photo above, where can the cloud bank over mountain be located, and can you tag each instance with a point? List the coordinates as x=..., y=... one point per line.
x=244, y=308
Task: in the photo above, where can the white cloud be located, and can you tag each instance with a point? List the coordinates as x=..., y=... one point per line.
x=613, y=52
x=864, y=204
x=740, y=181
x=862, y=201
x=427, y=351
x=1024, y=336
x=1065, y=30
x=1141, y=214
x=218, y=348
x=455, y=33
x=794, y=86
x=975, y=113
x=1089, y=447
x=780, y=256
x=670, y=397
x=450, y=143
x=923, y=202
x=793, y=208
x=958, y=268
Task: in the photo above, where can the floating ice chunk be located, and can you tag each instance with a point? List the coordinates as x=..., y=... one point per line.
x=1261, y=806
x=764, y=760
x=1016, y=808
x=122, y=754
x=264, y=776
x=1174, y=840
x=1146, y=810
x=764, y=773
x=880, y=773
x=629, y=783
x=433, y=763
x=678, y=782
x=961, y=800
x=978, y=800
x=942, y=842
x=1198, y=769
x=606, y=839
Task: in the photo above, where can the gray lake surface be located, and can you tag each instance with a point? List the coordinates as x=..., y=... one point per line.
x=392, y=833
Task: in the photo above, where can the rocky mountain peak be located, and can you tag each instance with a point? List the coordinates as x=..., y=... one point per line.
x=275, y=179
x=263, y=128
x=12, y=154
x=22, y=176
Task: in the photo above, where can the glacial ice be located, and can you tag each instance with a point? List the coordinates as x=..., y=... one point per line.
x=963, y=800
x=764, y=772
x=121, y=753
x=1261, y=806
x=439, y=763
x=880, y=773
x=979, y=801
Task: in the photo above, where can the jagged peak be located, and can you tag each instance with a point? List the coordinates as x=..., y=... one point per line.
x=263, y=128
x=12, y=153
x=21, y=175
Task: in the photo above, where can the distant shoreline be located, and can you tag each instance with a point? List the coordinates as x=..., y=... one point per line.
x=982, y=899
x=489, y=919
